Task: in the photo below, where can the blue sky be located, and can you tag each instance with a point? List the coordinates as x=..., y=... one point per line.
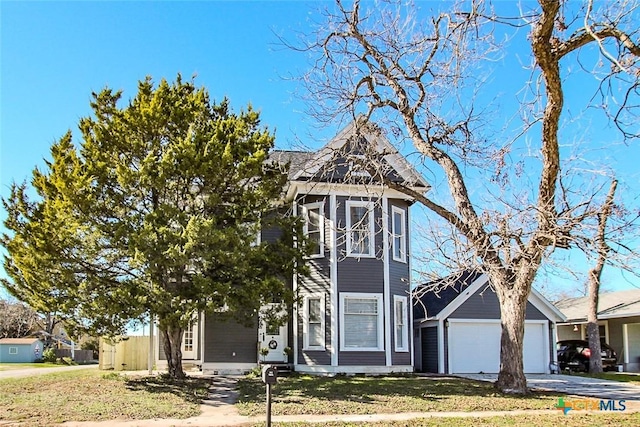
x=53, y=55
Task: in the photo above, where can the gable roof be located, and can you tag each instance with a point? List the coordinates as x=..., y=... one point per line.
x=435, y=296
x=611, y=305
x=441, y=303
x=331, y=164
x=296, y=159
x=18, y=340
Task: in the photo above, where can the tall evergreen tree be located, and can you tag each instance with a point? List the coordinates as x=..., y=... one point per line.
x=155, y=214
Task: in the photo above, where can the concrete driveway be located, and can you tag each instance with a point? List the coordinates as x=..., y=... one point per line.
x=574, y=384
x=29, y=372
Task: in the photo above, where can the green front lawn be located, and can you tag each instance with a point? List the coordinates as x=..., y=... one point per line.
x=626, y=377
x=91, y=395
x=305, y=394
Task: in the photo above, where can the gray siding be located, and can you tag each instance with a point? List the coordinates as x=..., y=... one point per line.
x=399, y=284
x=400, y=358
x=484, y=305
x=364, y=275
x=196, y=333
x=358, y=274
x=270, y=234
x=226, y=337
x=313, y=358
x=429, y=349
x=318, y=282
x=362, y=358
x=616, y=339
x=566, y=332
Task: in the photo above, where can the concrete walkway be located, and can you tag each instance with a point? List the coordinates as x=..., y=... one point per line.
x=574, y=385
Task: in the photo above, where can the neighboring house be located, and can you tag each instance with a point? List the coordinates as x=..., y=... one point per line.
x=457, y=327
x=618, y=320
x=355, y=311
x=20, y=350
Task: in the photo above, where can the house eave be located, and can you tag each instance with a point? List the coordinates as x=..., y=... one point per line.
x=580, y=320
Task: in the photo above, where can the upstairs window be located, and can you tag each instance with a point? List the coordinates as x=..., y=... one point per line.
x=314, y=228
x=360, y=229
x=398, y=231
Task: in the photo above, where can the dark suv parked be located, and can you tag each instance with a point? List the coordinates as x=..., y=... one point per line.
x=574, y=355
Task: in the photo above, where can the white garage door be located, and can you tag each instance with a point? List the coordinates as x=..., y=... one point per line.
x=475, y=347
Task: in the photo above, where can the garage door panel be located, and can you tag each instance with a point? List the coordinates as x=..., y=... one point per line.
x=475, y=347
x=535, y=350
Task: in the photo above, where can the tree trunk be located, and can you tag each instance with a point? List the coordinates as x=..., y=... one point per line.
x=593, y=333
x=513, y=304
x=172, y=343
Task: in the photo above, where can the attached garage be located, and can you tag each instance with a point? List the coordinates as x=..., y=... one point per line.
x=457, y=328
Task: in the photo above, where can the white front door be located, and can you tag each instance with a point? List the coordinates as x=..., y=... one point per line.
x=273, y=341
x=190, y=342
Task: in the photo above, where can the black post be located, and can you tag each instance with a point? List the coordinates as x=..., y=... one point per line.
x=268, y=405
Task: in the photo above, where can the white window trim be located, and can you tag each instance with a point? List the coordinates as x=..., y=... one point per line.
x=405, y=331
x=13, y=350
x=305, y=323
x=305, y=210
x=370, y=207
x=402, y=234
x=357, y=295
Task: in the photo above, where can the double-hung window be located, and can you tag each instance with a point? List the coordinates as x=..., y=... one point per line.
x=398, y=231
x=361, y=322
x=314, y=324
x=360, y=239
x=314, y=228
x=400, y=321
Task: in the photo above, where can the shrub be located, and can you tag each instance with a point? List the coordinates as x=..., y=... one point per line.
x=49, y=355
x=113, y=376
x=66, y=361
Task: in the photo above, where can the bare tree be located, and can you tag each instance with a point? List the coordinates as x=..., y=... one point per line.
x=422, y=81
x=595, y=361
x=601, y=239
x=18, y=320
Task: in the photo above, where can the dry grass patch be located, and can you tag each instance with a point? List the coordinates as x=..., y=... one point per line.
x=16, y=366
x=305, y=394
x=606, y=419
x=89, y=395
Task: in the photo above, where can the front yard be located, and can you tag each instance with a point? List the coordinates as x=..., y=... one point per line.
x=305, y=394
x=91, y=395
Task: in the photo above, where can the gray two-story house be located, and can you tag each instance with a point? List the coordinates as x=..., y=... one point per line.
x=354, y=313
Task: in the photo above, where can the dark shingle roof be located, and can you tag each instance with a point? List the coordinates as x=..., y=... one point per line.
x=437, y=295
x=297, y=159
